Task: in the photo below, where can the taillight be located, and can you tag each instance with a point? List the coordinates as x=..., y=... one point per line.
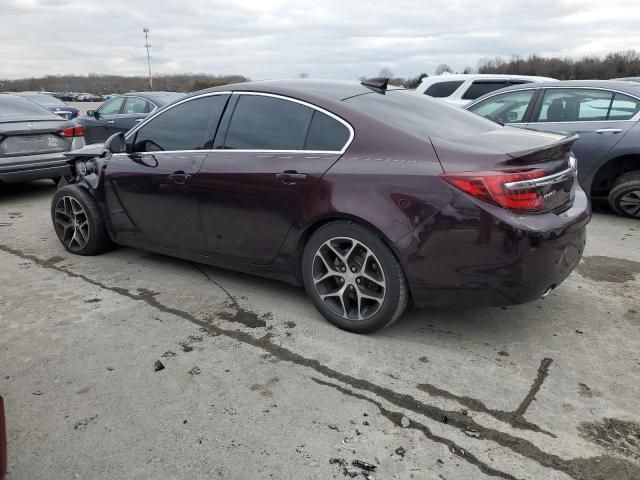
x=497, y=188
x=77, y=131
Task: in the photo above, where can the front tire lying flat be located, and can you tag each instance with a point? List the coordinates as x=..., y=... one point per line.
x=78, y=223
x=353, y=278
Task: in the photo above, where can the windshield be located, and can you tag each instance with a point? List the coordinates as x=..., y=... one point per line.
x=421, y=115
x=21, y=107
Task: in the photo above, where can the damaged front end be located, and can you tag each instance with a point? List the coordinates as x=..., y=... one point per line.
x=86, y=164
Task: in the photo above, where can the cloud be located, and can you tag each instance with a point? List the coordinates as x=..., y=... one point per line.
x=280, y=38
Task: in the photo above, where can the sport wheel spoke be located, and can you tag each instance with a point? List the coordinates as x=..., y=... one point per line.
x=71, y=223
x=349, y=278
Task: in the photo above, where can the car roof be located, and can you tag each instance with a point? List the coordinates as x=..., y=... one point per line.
x=452, y=77
x=149, y=95
x=304, y=88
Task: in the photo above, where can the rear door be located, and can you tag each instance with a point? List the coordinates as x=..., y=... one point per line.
x=151, y=192
x=271, y=152
x=600, y=117
x=134, y=110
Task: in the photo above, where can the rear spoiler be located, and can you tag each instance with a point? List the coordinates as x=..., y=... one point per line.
x=557, y=150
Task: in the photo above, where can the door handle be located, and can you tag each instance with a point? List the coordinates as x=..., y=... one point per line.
x=290, y=177
x=111, y=122
x=179, y=178
x=604, y=131
x=138, y=120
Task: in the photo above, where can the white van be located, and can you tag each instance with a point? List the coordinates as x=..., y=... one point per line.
x=462, y=88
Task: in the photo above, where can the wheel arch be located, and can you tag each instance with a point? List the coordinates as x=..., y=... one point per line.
x=604, y=177
x=336, y=217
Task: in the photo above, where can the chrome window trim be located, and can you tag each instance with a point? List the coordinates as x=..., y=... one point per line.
x=548, y=180
x=262, y=94
x=635, y=118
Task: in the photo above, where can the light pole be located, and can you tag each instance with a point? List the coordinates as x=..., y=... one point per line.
x=147, y=46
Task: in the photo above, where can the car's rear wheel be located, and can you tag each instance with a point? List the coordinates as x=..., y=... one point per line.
x=353, y=278
x=624, y=196
x=78, y=223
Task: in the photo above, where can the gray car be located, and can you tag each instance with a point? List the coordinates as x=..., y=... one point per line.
x=606, y=116
x=33, y=141
x=122, y=113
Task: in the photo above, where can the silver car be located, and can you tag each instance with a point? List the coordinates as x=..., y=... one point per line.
x=605, y=114
x=33, y=141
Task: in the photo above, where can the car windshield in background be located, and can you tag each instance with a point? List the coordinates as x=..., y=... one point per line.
x=420, y=115
x=15, y=108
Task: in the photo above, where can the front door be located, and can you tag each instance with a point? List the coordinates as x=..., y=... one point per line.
x=272, y=153
x=102, y=126
x=153, y=199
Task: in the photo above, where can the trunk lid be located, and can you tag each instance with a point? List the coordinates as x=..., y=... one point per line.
x=33, y=137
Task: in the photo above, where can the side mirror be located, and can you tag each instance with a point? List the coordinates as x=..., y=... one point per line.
x=93, y=113
x=116, y=143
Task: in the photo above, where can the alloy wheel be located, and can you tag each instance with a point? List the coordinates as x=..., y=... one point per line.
x=630, y=203
x=349, y=278
x=72, y=223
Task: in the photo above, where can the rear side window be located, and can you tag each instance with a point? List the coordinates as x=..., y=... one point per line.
x=326, y=133
x=482, y=87
x=419, y=115
x=623, y=107
x=268, y=123
x=188, y=126
x=443, y=89
x=21, y=107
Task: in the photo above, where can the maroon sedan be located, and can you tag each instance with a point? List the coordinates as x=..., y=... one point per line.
x=372, y=198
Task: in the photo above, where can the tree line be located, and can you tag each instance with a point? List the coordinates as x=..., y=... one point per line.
x=612, y=65
x=104, y=84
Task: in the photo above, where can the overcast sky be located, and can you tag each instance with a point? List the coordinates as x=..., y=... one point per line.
x=281, y=38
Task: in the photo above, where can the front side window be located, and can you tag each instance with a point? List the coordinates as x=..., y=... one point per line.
x=575, y=105
x=112, y=107
x=508, y=107
x=482, y=87
x=135, y=105
x=443, y=89
x=326, y=133
x=623, y=107
x=188, y=126
x=268, y=123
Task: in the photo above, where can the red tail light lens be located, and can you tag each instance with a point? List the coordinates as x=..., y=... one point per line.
x=492, y=188
x=77, y=131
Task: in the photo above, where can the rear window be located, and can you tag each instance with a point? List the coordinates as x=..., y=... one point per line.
x=443, y=89
x=21, y=108
x=479, y=88
x=420, y=115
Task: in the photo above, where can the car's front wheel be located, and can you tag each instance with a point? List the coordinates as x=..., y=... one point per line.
x=78, y=223
x=624, y=196
x=353, y=278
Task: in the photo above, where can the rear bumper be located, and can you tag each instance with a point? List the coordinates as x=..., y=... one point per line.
x=34, y=167
x=487, y=255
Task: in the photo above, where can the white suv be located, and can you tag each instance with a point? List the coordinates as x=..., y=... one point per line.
x=461, y=89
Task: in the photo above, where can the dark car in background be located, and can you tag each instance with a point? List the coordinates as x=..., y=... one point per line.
x=605, y=115
x=33, y=141
x=122, y=113
x=54, y=104
x=371, y=198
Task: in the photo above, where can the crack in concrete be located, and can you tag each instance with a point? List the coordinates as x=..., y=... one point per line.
x=515, y=418
x=396, y=418
x=603, y=467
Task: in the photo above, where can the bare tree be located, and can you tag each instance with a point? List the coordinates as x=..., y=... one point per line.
x=467, y=70
x=385, y=73
x=443, y=67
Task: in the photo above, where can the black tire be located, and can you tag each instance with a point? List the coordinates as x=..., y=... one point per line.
x=74, y=213
x=384, y=278
x=624, y=196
